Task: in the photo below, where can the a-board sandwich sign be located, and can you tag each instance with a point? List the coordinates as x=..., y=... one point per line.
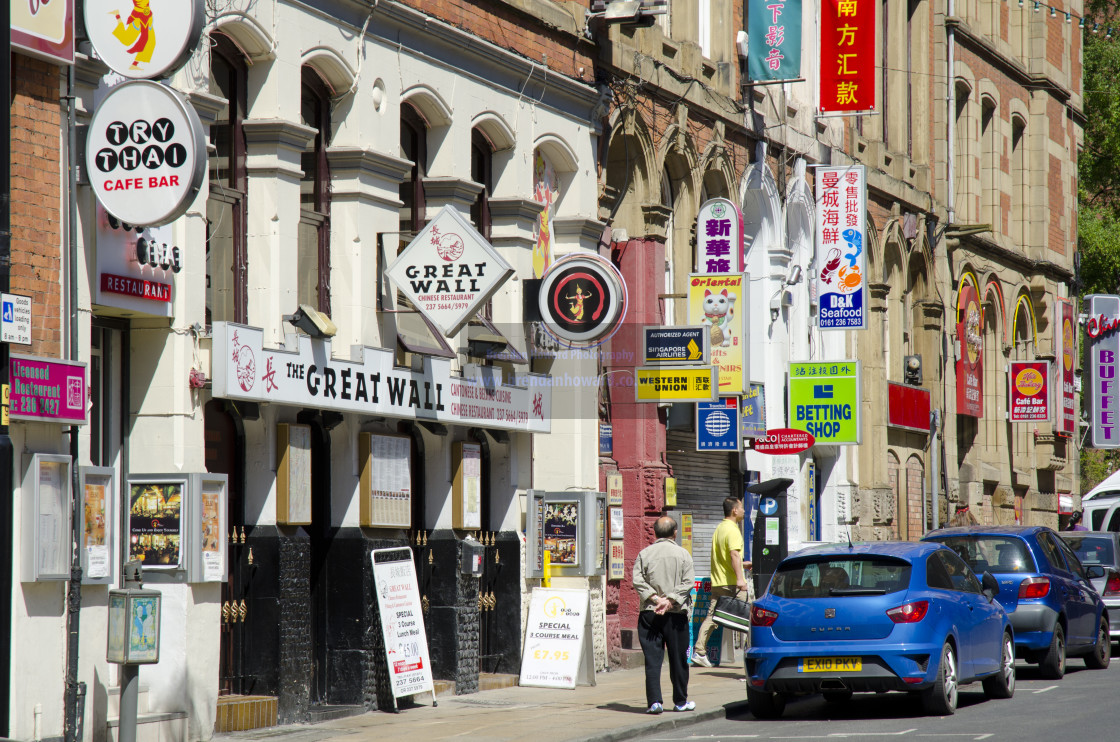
x=554, y=638
x=402, y=622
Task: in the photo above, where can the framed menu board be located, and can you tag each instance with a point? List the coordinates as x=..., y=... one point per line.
x=466, y=486
x=385, y=480
x=293, y=474
x=46, y=518
x=98, y=530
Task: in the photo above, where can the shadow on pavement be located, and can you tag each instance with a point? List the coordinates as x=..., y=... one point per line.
x=625, y=708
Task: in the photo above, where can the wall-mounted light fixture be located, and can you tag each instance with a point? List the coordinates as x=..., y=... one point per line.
x=313, y=322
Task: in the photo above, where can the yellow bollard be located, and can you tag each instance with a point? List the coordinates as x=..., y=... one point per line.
x=546, y=580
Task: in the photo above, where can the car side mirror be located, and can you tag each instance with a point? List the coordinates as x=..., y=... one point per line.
x=1094, y=572
x=990, y=586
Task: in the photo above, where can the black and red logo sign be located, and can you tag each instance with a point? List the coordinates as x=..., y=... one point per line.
x=582, y=299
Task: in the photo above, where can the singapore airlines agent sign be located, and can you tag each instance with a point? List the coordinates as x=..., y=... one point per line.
x=448, y=271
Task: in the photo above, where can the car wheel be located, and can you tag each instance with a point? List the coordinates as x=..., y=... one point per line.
x=765, y=705
x=940, y=699
x=1099, y=658
x=1002, y=684
x=837, y=696
x=1053, y=664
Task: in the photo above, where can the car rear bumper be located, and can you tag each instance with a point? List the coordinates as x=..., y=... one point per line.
x=1112, y=605
x=890, y=667
x=1034, y=625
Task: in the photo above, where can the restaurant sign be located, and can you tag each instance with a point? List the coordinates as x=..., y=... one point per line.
x=309, y=376
x=47, y=390
x=449, y=271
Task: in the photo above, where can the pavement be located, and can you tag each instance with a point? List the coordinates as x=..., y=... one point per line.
x=613, y=709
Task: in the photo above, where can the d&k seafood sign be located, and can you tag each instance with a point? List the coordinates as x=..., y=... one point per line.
x=841, y=194
x=309, y=377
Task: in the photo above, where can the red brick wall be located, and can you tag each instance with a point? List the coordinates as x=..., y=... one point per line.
x=36, y=199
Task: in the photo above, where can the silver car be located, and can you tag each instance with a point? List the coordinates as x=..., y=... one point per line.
x=1101, y=549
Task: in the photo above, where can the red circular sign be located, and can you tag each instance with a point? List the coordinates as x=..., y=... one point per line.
x=780, y=441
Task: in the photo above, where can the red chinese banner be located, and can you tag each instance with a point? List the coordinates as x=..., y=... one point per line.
x=970, y=369
x=847, y=55
x=1030, y=391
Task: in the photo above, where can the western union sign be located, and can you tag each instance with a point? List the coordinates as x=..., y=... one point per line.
x=676, y=384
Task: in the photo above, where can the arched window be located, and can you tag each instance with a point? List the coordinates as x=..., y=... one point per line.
x=414, y=147
x=314, y=250
x=915, y=493
x=482, y=156
x=227, y=262
x=963, y=141
x=894, y=481
x=1019, y=210
x=989, y=165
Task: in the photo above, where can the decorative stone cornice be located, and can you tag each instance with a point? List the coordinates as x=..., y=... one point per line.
x=454, y=191
x=932, y=312
x=367, y=175
x=657, y=220
x=585, y=230
x=207, y=106
x=879, y=293
x=275, y=146
x=520, y=212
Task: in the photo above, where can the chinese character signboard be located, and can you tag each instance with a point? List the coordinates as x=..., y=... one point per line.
x=970, y=367
x=1067, y=417
x=719, y=237
x=774, y=48
x=847, y=55
x=1104, y=364
x=824, y=400
x=714, y=302
x=841, y=194
x=1030, y=391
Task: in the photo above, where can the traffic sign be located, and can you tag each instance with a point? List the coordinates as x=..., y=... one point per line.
x=689, y=344
x=16, y=319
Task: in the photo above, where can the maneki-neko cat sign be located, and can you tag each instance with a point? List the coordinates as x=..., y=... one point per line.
x=970, y=366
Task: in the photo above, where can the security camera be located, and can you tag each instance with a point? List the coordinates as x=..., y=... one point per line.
x=787, y=298
x=775, y=306
x=313, y=322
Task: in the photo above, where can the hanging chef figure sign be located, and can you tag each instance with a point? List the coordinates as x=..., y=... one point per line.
x=144, y=39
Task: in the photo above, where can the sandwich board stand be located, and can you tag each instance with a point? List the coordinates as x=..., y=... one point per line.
x=558, y=641
x=402, y=624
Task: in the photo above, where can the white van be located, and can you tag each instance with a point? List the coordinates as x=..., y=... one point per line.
x=1101, y=505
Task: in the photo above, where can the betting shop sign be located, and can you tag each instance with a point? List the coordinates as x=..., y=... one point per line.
x=448, y=271
x=145, y=153
x=151, y=39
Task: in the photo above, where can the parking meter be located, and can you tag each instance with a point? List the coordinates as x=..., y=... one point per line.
x=769, y=540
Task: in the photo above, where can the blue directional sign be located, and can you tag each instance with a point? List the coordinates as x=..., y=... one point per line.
x=717, y=425
x=691, y=344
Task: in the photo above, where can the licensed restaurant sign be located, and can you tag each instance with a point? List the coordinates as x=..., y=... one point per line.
x=308, y=376
x=47, y=390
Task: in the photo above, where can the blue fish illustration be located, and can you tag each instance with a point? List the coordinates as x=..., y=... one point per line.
x=854, y=240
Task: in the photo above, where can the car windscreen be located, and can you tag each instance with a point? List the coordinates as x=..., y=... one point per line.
x=821, y=577
x=996, y=554
x=1091, y=549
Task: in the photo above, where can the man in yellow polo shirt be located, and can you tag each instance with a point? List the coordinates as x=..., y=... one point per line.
x=728, y=571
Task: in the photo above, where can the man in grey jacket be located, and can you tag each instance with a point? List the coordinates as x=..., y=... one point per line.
x=663, y=577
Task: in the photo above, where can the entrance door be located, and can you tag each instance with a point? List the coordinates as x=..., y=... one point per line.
x=225, y=455
x=321, y=533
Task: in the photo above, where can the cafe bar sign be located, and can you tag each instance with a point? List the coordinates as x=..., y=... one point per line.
x=47, y=390
x=309, y=376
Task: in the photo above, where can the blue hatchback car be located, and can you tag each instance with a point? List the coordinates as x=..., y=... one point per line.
x=1054, y=608
x=886, y=616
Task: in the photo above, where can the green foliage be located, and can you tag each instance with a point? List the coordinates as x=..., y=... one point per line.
x=1098, y=238
x=1099, y=162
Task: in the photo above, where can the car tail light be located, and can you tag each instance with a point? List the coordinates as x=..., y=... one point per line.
x=762, y=617
x=1112, y=587
x=909, y=612
x=1034, y=587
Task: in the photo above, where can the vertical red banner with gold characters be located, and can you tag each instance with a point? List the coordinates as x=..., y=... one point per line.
x=847, y=55
x=970, y=366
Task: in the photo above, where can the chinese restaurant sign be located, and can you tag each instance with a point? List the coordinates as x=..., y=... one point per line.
x=47, y=390
x=841, y=193
x=1067, y=416
x=719, y=237
x=847, y=55
x=1030, y=391
x=774, y=49
x=1104, y=364
x=970, y=367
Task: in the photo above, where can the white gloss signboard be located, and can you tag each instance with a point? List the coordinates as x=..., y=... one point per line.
x=145, y=153
x=402, y=622
x=144, y=38
x=554, y=638
x=448, y=271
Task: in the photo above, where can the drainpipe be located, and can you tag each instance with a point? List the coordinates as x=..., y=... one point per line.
x=950, y=119
x=7, y=513
x=75, y=691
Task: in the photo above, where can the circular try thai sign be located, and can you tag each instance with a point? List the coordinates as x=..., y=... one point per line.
x=144, y=38
x=783, y=441
x=582, y=299
x=145, y=153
